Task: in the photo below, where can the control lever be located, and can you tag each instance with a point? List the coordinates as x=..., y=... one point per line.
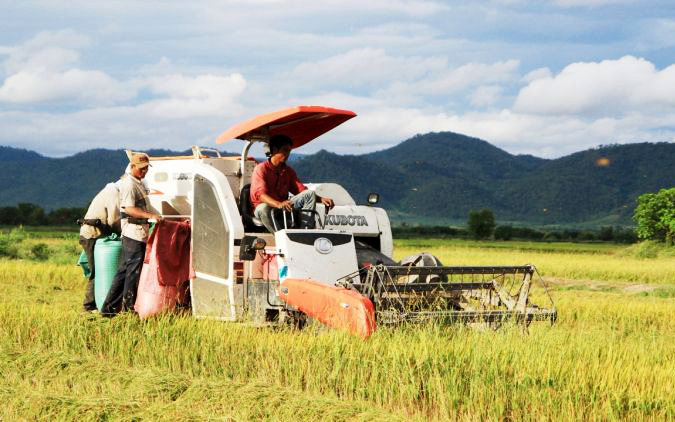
x=325, y=216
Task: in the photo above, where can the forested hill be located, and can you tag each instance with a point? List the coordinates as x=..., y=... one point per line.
x=441, y=176
x=434, y=177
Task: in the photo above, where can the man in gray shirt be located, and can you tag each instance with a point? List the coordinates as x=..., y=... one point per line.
x=134, y=206
x=104, y=209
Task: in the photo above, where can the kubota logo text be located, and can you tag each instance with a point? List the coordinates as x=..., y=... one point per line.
x=346, y=220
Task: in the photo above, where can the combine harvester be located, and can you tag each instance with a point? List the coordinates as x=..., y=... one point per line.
x=341, y=274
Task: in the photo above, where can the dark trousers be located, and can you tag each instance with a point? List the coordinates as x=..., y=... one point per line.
x=122, y=294
x=89, y=303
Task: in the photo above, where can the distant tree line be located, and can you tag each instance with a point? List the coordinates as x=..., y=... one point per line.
x=605, y=234
x=508, y=232
x=32, y=215
x=481, y=225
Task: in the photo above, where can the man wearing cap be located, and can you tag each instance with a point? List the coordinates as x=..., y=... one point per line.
x=274, y=179
x=102, y=219
x=134, y=213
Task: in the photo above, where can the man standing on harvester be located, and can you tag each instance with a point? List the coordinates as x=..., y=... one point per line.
x=134, y=213
x=102, y=219
x=274, y=179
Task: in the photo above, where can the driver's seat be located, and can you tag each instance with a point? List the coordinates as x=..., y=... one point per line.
x=251, y=223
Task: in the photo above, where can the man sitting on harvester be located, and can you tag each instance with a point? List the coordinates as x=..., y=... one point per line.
x=274, y=179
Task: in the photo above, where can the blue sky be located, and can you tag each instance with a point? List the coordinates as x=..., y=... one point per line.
x=546, y=78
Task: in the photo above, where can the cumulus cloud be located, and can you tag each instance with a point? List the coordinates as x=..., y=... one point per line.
x=175, y=109
x=47, y=50
x=106, y=127
x=472, y=74
x=452, y=84
x=187, y=96
x=381, y=124
x=367, y=67
x=657, y=33
x=276, y=9
x=607, y=88
x=540, y=73
x=73, y=84
x=590, y=3
x=45, y=69
x=486, y=95
x=407, y=79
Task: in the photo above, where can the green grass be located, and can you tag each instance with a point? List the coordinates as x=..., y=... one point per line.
x=608, y=357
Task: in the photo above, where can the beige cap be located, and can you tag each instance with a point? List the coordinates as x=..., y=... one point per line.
x=141, y=161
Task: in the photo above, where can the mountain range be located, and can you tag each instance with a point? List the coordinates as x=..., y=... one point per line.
x=432, y=178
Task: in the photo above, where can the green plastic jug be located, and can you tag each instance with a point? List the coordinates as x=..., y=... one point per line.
x=107, y=257
x=82, y=262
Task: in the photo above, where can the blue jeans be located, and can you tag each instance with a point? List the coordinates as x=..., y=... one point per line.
x=305, y=200
x=122, y=294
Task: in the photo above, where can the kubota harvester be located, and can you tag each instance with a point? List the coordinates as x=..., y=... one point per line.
x=341, y=273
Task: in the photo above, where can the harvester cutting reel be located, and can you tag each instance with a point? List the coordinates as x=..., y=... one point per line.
x=476, y=295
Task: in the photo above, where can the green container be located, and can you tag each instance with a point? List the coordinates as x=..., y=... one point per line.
x=108, y=258
x=82, y=262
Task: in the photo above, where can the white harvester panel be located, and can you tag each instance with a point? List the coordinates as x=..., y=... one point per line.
x=321, y=255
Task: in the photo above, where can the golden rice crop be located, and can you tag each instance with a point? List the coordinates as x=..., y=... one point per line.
x=563, y=264
x=607, y=357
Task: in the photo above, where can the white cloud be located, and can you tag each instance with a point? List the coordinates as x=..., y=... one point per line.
x=185, y=111
x=236, y=9
x=540, y=73
x=607, y=88
x=193, y=96
x=277, y=9
x=590, y=3
x=109, y=127
x=475, y=74
x=47, y=50
x=405, y=79
x=486, y=95
x=451, y=82
x=44, y=69
x=71, y=85
x=656, y=34
x=380, y=124
x=367, y=67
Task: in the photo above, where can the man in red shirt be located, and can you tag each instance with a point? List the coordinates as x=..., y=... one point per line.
x=274, y=179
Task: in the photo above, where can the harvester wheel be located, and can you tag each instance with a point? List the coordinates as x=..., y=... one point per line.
x=423, y=260
x=297, y=320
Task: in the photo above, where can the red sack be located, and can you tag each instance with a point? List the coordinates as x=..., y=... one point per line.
x=164, y=281
x=172, y=241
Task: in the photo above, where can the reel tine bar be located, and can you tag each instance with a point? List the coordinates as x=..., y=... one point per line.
x=455, y=294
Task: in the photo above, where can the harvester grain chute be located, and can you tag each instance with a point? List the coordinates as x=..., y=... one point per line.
x=342, y=273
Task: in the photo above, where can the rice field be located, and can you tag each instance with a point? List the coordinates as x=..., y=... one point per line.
x=608, y=357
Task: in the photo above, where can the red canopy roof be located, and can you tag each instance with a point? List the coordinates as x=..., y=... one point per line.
x=302, y=124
